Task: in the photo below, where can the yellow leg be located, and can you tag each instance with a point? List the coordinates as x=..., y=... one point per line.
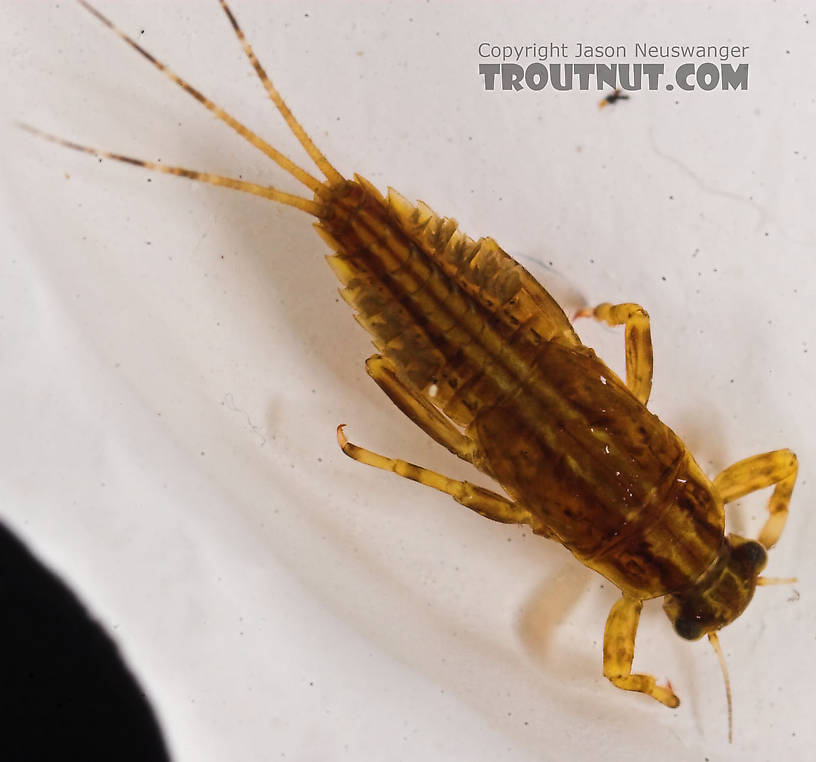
x=483, y=501
x=778, y=467
x=638, y=343
x=414, y=404
x=619, y=650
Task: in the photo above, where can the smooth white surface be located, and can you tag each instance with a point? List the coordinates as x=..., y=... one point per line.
x=174, y=360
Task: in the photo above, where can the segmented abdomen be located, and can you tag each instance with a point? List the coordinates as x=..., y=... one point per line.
x=467, y=326
x=459, y=319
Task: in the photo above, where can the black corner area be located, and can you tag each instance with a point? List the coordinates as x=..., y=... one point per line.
x=65, y=693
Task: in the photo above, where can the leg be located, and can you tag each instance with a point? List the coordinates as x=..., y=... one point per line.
x=638, y=342
x=483, y=501
x=419, y=410
x=619, y=650
x=778, y=467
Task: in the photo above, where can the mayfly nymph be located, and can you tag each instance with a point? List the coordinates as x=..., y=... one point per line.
x=479, y=355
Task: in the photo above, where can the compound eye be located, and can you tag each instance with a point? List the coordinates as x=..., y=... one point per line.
x=754, y=554
x=688, y=629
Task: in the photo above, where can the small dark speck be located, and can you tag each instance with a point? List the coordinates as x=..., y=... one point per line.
x=311, y=684
x=671, y=198
x=305, y=15
x=662, y=277
x=203, y=453
x=150, y=179
x=731, y=381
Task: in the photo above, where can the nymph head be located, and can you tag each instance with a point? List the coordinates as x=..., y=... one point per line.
x=720, y=596
x=722, y=593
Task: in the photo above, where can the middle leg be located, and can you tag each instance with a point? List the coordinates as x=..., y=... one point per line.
x=483, y=501
x=638, y=343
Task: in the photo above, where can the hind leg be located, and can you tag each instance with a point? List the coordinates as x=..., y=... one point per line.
x=414, y=404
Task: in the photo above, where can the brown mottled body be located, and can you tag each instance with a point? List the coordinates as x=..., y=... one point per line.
x=551, y=423
x=477, y=353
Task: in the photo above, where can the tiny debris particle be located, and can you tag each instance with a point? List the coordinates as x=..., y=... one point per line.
x=613, y=97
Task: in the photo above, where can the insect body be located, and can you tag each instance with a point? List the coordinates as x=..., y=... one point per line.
x=477, y=353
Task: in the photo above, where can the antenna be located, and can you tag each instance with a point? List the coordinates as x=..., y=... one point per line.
x=715, y=642
x=764, y=581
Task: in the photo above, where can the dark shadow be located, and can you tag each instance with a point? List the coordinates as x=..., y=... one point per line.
x=65, y=692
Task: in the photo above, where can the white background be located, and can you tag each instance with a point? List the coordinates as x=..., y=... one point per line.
x=174, y=360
